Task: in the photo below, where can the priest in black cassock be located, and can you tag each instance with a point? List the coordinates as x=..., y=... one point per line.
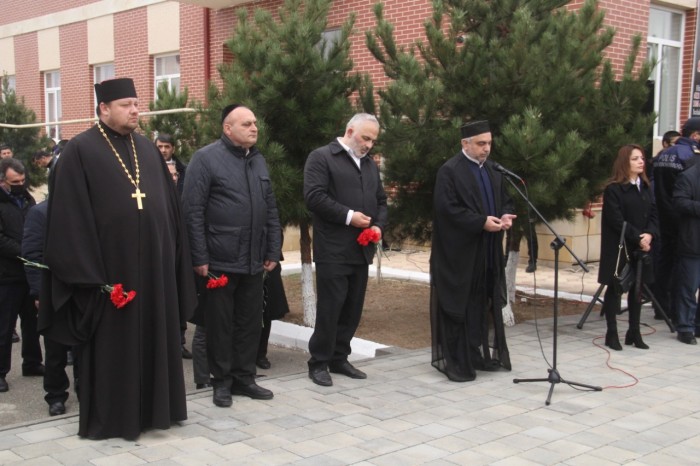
x=114, y=218
x=468, y=291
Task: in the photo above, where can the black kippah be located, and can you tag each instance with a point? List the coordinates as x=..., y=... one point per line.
x=228, y=109
x=115, y=89
x=475, y=127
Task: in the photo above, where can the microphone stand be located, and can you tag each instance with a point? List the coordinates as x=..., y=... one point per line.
x=554, y=377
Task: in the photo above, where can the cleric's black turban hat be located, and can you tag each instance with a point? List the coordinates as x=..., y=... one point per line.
x=115, y=89
x=474, y=128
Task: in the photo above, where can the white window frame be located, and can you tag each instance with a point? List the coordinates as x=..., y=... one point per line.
x=100, y=73
x=657, y=73
x=11, y=85
x=53, y=94
x=157, y=79
x=329, y=40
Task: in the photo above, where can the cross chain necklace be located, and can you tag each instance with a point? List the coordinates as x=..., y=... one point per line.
x=138, y=195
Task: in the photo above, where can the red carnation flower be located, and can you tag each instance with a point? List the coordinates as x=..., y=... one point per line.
x=118, y=296
x=216, y=282
x=367, y=236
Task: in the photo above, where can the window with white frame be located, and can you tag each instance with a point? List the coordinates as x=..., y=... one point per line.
x=665, y=46
x=11, y=86
x=52, y=101
x=329, y=41
x=167, y=70
x=102, y=72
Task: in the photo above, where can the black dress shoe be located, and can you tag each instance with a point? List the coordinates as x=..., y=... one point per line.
x=687, y=337
x=222, y=397
x=57, y=408
x=253, y=391
x=3, y=385
x=186, y=353
x=348, y=369
x=35, y=371
x=263, y=363
x=201, y=386
x=320, y=376
x=531, y=267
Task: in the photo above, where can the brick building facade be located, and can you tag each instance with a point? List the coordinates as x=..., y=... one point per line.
x=71, y=39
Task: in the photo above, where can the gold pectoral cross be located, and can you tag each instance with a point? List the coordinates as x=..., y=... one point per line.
x=138, y=195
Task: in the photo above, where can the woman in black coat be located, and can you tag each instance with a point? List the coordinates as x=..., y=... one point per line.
x=627, y=197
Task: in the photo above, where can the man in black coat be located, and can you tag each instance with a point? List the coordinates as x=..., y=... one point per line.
x=343, y=191
x=686, y=203
x=15, y=201
x=234, y=230
x=472, y=210
x=56, y=381
x=114, y=218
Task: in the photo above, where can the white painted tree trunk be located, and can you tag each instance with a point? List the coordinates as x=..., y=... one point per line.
x=511, y=269
x=308, y=294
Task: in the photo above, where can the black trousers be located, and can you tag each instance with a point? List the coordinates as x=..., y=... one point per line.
x=14, y=299
x=234, y=321
x=56, y=382
x=340, y=298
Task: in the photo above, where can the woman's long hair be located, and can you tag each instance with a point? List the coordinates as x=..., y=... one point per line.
x=621, y=166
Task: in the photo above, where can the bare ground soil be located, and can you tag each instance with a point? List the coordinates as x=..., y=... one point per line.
x=396, y=312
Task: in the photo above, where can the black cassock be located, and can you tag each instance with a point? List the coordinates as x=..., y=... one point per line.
x=466, y=301
x=131, y=376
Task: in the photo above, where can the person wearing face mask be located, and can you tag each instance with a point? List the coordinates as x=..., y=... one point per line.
x=15, y=201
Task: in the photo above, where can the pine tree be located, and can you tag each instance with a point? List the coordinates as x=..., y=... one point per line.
x=182, y=126
x=25, y=141
x=299, y=87
x=532, y=68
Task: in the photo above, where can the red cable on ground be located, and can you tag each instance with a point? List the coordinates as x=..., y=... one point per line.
x=610, y=366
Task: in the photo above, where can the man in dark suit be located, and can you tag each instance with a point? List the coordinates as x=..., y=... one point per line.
x=343, y=191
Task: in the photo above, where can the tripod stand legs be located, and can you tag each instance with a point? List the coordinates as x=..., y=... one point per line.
x=596, y=298
x=652, y=298
x=553, y=379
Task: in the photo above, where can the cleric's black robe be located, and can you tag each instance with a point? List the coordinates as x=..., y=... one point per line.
x=131, y=376
x=461, y=311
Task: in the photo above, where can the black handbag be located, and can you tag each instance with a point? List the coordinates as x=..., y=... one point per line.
x=623, y=279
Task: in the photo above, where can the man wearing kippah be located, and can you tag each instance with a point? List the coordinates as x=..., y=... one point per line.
x=234, y=231
x=114, y=221
x=472, y=210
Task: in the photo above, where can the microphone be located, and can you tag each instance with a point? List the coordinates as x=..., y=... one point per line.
x=498, y=167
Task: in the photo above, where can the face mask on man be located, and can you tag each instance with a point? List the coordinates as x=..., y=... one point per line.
x=17, y=189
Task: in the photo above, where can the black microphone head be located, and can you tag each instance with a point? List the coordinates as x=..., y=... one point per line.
x=497, y=166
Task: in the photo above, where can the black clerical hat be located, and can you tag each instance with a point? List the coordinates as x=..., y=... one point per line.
x=114, y=89
x=228, y=109
x=475, y=127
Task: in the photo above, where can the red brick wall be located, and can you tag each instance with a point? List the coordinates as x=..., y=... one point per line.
x=688, y=65
x=629, y=18
x=28, y=79
x=193, y=49
x=76, y=78
x=408, y=17
x=131, y=58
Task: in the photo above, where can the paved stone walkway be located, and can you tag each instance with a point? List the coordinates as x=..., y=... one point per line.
x=408, y=413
